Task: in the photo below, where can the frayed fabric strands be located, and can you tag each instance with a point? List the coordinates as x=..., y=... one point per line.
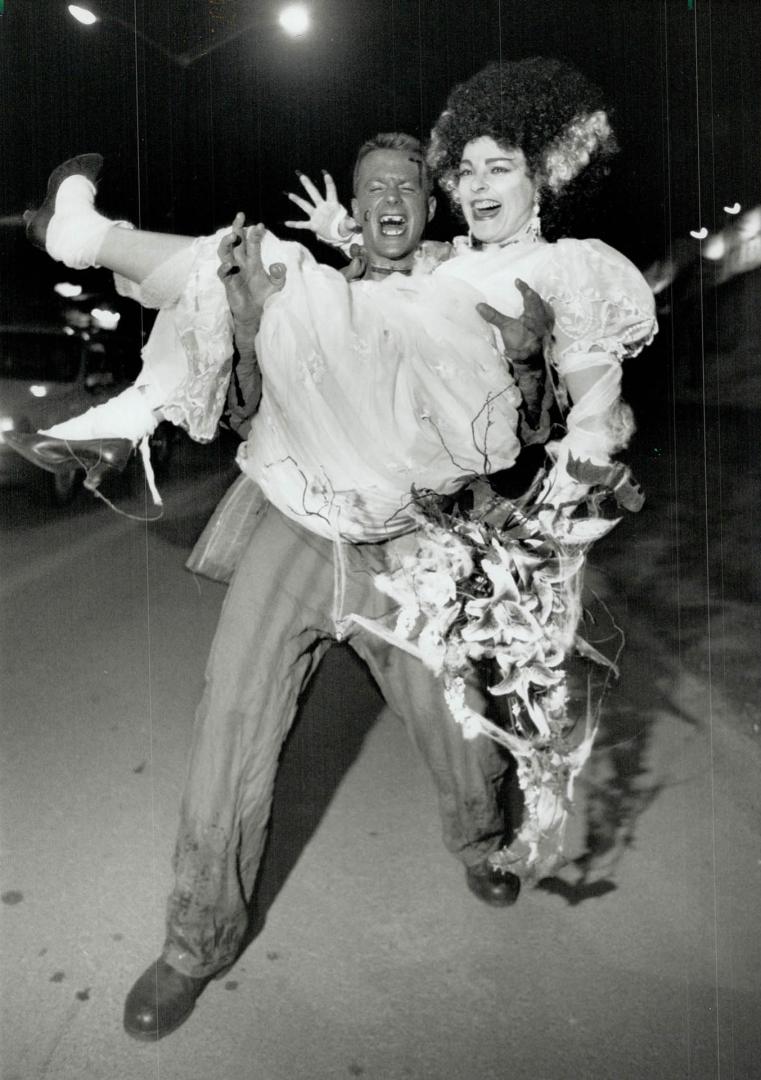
x=500, y=586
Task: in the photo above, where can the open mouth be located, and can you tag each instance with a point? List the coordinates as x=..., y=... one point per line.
x=483, y=209
x=392, y=224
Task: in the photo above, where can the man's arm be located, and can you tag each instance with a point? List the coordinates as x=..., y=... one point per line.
x=247, y=285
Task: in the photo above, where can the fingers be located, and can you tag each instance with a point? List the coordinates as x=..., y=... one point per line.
x=297, y=224
x=238, y=232
x=491, y=315
x=302, y=204
x=226, y=244
x=531, y=299
x=277, y=276
x=226, y=270
x=358, y=264
x=251, y=252
x=331, y=194
x=535, y=308
x=232, y=240
x=310, y=189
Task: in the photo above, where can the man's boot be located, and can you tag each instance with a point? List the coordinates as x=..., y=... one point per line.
x=160, y=1001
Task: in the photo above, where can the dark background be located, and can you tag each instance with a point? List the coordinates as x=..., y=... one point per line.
x=188, y=146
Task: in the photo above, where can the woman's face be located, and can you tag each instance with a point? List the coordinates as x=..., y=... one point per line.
x=495, y=190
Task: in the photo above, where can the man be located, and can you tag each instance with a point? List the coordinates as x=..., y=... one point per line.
x=278, y=620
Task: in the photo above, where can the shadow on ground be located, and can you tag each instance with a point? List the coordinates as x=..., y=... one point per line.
x=338, y=710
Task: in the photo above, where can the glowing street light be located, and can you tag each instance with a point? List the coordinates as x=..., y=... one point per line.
x=87, y=17
x=295, y=20
x=82, y=14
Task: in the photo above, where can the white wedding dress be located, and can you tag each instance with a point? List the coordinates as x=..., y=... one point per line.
x=376, y=390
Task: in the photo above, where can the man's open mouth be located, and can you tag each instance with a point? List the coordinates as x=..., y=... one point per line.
x=485, y=208
x=392, y=224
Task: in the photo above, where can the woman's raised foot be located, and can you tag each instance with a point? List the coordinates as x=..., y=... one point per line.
x=36, y=221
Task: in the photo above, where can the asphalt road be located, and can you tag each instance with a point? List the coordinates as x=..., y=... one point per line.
x=373, y=959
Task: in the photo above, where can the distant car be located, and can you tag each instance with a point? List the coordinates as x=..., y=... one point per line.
x=48, y=375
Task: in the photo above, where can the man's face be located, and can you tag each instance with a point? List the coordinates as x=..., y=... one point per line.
x=391, y=205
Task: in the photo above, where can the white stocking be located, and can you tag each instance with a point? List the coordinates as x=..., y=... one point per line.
x=129, y=415
x=75, y=231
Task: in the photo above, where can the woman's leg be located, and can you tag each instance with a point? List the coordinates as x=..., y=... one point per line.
x=71, y=230
x=136, y=254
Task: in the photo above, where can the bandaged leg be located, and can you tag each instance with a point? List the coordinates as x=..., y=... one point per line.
x=76, y=231
x=80, y=237
x=129, y=415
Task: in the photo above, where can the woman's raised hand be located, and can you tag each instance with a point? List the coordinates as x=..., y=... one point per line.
x=325, y=216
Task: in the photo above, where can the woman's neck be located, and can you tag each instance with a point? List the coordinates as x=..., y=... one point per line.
x=527, y=233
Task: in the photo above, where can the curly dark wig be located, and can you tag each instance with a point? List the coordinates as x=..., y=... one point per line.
x=539, y=106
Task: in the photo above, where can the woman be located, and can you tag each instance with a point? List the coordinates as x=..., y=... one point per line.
x=515, y=146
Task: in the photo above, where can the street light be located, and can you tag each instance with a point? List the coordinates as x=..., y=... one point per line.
x=294, y=19
x=87, y=17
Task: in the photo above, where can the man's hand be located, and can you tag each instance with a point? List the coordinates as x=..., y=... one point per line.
x=522, y=337
x=358, y=265
x=247, y=284
x=326, y=217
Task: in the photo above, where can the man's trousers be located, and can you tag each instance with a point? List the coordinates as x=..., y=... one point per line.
x=276, y=624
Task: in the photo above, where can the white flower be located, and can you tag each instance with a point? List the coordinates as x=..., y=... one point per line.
x=467, y=718
x=436, y=589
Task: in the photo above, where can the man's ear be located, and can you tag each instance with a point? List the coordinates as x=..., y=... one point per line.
x=431, y=207
x=355, y=211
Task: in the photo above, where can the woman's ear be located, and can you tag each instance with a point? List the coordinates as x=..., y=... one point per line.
x=431, y=207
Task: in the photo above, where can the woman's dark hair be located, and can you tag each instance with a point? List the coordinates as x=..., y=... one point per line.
x=549, y=110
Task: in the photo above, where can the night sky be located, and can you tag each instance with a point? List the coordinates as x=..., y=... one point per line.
x=188, y=146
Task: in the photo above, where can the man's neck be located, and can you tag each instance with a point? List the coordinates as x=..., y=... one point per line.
x=379, y=268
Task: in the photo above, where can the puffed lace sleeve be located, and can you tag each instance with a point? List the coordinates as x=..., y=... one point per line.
x=601, y=301
x=604, y=313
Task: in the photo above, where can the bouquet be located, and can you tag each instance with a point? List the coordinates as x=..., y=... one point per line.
x=499, y=586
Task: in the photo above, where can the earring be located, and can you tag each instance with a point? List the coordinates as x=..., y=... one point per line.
x=535, y=224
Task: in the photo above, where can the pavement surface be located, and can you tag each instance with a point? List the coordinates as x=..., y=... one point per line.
x=371, y=958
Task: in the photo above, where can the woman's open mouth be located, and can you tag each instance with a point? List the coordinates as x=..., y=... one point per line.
x=392, y=224
x=483, y=209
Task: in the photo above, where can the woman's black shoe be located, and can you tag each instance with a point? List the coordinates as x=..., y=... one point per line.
x=36, y=221
x=96, y=456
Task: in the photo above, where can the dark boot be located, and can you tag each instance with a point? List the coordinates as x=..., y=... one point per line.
x=494, y=886
x=36, y=221
x=160, y=1001
x=96, y=456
